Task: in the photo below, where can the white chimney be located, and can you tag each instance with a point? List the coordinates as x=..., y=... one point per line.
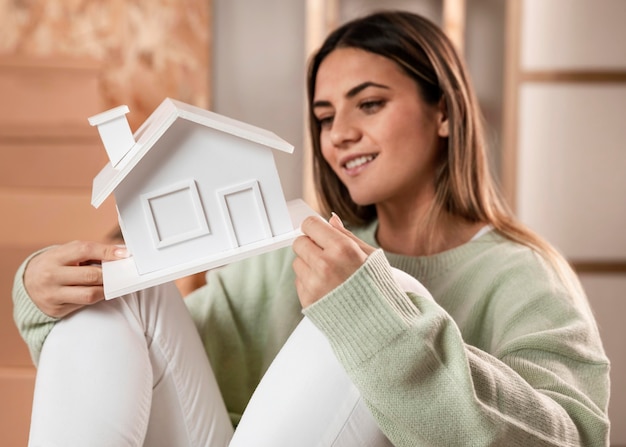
x=114, y=132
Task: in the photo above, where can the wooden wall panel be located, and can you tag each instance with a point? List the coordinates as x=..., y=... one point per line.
x=43, y=217
x=29, y=164
x=148, y=49
x=16, y=389
x=13, y=350
x=48, y=157
x=61, y=62
x=45, y=96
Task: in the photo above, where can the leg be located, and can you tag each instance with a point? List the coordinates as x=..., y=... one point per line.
x=306, y=399
x=127, y=372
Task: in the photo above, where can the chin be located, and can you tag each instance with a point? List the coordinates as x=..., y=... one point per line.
x=365, y=193
x=362, y=200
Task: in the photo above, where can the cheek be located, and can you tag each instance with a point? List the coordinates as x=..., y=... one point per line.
x=418, y=138
x=327, y=151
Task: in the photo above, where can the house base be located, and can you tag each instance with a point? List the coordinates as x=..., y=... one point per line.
x=121, y=277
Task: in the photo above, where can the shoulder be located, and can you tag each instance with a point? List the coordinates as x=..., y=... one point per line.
x=529, y=268
x=511, y=259
x=519, y=271
x=527, y=291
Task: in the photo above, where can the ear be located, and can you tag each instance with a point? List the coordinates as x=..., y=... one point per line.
x=443, y=130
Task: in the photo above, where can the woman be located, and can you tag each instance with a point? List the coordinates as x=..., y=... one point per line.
x=507, y=352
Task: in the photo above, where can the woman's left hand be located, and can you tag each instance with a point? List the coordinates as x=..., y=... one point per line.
x=326, y=256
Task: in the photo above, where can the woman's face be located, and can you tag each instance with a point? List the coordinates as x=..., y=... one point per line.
x=377, y=133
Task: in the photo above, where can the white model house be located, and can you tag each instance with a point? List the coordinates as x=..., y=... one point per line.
x=193, y=189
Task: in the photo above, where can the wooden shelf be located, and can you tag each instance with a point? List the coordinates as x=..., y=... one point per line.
x=575, y=76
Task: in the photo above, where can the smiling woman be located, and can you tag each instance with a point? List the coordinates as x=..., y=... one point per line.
x=377, y=133
x=432, y=318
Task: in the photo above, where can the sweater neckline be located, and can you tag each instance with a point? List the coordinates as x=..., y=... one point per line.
x=431, y=266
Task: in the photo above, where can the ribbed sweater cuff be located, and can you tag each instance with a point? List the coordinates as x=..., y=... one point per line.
x=365, y=313
x=27, y=315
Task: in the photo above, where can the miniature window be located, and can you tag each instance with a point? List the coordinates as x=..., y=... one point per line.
x=175, y=214
x=245, y=213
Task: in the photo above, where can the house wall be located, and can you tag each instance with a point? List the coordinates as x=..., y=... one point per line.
x=213, y=160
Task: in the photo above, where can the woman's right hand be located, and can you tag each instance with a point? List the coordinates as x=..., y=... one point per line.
x=65, y=278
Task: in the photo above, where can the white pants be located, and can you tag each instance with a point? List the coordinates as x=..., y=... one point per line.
x=132, y=371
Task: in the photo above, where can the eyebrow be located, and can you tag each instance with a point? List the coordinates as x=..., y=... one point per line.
x=352, y=92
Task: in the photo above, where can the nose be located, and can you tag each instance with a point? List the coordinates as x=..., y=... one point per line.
x=343, y=131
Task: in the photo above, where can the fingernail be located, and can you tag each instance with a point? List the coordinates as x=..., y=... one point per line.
x=333, y=214
x=121, y=252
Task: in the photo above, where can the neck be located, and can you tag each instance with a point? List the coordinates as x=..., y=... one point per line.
x=410, y=233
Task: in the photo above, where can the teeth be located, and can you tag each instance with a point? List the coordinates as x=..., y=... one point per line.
x=359, y=161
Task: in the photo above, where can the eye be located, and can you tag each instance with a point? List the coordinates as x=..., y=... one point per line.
x=325, y=122
x=372, y=105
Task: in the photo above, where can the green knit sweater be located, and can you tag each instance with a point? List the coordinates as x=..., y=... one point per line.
x=506, y=356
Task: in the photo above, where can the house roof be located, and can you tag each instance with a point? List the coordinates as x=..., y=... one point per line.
x=157, y=124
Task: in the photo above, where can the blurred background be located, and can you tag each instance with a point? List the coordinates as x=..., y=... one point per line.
x=550, y=76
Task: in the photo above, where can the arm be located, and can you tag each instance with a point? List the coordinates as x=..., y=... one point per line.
x=543, y=380
x=52, y=283
x=440, y=390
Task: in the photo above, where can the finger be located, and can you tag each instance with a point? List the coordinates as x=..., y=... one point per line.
x=84, y=275
x=77, y=252
x=83, y=296
x=320, y=231
x=306, y=249
x=70, y=299
x=335, y=222
x=59, y=310
x=64, y=300
x=308, y=286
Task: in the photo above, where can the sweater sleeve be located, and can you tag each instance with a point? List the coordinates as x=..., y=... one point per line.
x=426, y=386
x=32, y=324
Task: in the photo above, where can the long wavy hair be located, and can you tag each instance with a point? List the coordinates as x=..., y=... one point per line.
x=464, y=185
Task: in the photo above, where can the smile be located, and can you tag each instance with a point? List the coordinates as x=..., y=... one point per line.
x=359, y=161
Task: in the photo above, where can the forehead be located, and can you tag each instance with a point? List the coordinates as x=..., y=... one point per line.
x=344, y=68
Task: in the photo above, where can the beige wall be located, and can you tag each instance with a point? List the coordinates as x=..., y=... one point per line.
x=259, y=73
x=569, y=140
